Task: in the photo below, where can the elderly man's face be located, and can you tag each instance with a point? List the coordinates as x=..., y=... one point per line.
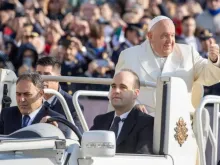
x=28, y=96
x=162, y=38
x=123, y=92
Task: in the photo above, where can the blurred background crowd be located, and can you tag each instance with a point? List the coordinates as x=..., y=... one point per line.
x=87, y=36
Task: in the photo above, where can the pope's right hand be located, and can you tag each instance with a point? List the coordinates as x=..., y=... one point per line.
x=142, y=108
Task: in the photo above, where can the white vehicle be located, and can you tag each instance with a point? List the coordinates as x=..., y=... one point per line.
x=174, y=140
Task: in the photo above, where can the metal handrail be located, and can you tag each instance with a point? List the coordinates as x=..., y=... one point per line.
x=77, y=106
x=86, y=80
x=63, y=103
x=213, y=136
x=89, y=80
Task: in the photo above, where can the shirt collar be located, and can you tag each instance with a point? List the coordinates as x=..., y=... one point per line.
x=50, y=100
x=128, y=43
x=34, y=113
x=124, y=115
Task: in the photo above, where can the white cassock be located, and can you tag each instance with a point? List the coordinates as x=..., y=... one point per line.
x=185, y=62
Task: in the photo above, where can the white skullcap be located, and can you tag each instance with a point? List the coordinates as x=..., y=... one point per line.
x=156, y=20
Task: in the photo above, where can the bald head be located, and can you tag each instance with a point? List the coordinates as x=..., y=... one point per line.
x=162, y=37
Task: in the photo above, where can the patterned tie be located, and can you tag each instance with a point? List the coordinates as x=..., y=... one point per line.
x=25, y=120
x=114, y=126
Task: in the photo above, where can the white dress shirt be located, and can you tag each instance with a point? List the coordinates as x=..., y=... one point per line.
x=120, y=124
x=161, y=61
x=32, y=115
x=50, y=100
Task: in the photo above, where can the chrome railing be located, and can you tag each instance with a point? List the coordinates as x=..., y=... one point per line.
x=77, y=106
x=89, y=80
x=63, y=103
x=213, y=135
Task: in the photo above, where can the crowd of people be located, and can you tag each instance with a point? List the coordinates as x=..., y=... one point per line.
x=87, y=37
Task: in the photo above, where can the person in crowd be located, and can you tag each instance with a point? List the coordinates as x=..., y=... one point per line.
x=133, y=35
x=74, y=62
x=27, y=57
x=210, y=18
x=206, y=39
x=188, y=33
x=50, y=66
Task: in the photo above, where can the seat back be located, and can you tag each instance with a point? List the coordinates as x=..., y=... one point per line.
x=173, y=134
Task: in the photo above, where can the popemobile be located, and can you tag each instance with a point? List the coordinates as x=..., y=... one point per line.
x=179, y=137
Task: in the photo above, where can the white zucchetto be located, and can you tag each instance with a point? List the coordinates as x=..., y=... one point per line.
x=156, y=20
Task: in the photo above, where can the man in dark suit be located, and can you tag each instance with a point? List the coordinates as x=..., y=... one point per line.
x=50, y=66
x=133, y=34
x=30, y=110
x=133, y=128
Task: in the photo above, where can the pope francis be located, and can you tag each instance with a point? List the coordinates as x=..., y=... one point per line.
x=159, y=55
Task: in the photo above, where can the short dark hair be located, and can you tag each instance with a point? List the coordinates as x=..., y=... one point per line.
x=96, y=31
x=50, y=61
x=34, y=77
x=187, y=18
x=137, y=82
x=132, y=28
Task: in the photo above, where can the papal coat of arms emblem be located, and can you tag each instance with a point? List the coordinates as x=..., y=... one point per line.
x=181, y=131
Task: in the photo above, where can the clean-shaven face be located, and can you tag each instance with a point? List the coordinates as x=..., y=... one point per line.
x=162, y=37
x=48, y=70
x=123, y=92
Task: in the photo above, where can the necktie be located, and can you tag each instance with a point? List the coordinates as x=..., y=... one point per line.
x=114, y=126
x=46, y=104
x=25, y=120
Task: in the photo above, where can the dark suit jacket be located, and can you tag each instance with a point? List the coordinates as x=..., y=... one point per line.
x=11, y=119
x=58, y=108
x=117, y=51
x=136, y=135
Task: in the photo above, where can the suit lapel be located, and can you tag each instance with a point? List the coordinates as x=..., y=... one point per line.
x=108, y=121
x=17, y=120
x=150, y=65
x=127, y=127
x=61, y=92
x=173, y=62
x=56, y=103
x=42, y=113
x=148, y=61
